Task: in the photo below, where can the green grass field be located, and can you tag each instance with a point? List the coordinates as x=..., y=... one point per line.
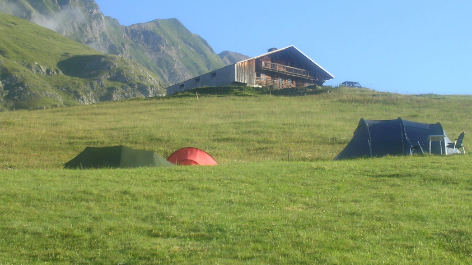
x=276, y=197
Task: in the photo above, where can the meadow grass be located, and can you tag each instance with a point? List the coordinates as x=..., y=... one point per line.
x=259, y=206
x=392, y=210
x=231, y=128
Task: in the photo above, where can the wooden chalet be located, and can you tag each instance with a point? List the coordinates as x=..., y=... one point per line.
x=280, y=68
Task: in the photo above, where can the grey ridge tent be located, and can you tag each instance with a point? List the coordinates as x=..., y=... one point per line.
x=376, y=138
x=116, y=157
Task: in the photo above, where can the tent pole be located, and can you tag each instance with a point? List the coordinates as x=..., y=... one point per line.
x=370, y=147
x=368, y=139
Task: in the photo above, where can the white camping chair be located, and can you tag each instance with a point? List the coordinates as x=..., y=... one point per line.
x=458, y=143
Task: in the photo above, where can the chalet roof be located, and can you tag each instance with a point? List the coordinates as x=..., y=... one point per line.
x=292, y=51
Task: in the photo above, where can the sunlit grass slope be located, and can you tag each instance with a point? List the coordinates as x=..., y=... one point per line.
x=259, y=206
x=261, y=127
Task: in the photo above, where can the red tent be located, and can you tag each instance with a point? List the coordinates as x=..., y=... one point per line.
x=191, y=156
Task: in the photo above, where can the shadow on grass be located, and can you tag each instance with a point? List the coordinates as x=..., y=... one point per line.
x=251, y=91
x=85, y=66
x=393, y=175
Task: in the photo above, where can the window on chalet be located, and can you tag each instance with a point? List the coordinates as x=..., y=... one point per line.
x=213, y=74
x=181, y=86
x=197, y=80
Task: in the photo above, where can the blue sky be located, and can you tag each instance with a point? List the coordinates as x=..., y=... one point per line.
x=408, y=47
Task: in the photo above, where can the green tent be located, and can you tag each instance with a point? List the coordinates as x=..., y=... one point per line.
x=116, y=157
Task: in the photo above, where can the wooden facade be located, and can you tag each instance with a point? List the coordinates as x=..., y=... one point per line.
x=282, y=68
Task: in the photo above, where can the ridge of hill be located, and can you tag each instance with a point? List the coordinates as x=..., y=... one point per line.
x=165, y=46
x=172, y=51
x=230, y=57
x=40, y=68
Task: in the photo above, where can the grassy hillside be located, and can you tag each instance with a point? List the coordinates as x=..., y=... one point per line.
x=195, y=52
x=39, y=68
x=243, y=128
x=256, y=207
x=171, y=50
x=164, y=46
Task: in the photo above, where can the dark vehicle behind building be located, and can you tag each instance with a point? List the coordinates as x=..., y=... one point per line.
x=351, y=84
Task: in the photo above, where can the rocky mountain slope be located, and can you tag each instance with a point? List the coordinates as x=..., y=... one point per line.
x=40, y=68
x=165, y=47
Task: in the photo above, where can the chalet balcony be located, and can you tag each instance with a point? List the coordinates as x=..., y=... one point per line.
x=278, y=83
x=287, y=70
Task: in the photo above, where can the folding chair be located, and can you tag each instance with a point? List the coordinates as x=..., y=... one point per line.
x=417, y=147
x=458, y=143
